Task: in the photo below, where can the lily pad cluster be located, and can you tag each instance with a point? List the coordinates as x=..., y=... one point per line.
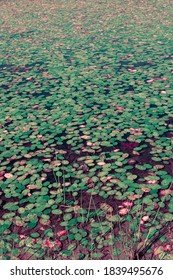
x=86, y=126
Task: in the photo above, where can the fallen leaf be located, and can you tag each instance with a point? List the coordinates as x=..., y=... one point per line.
x=8, y=175
x=123, y=211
